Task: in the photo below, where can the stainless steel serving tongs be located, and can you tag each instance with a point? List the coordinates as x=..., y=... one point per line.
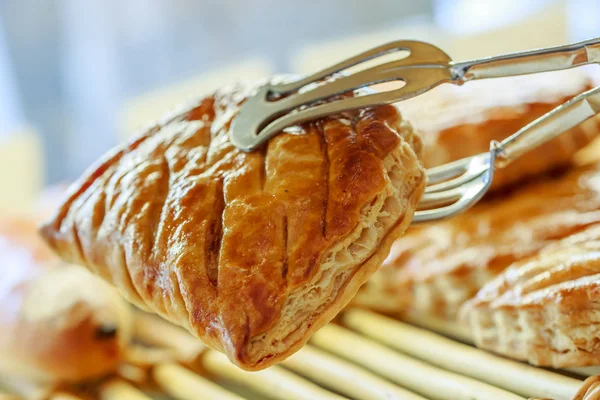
x=454, y=187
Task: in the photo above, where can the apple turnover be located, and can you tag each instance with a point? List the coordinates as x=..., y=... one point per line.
x=251, y=252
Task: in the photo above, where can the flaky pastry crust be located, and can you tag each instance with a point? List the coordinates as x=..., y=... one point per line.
x=458, y=122
x=433, y=269
x=544, y=309
x=252, y=252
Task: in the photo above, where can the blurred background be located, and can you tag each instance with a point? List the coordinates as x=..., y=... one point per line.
x=79, y=76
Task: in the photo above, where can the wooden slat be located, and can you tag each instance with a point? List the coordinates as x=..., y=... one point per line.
x=462, y=334
x=344, y=377
x=273, y=383
x=118, y=389
x=444, y=327
x=466, y=360
x=21, y=388
x=65, y=396
x=25, y=388
x=184, y=384
x=155, y=331
x=412, y=374
x=6, y=396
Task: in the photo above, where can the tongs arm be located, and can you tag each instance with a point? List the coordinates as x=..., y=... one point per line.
x=549, y=126
x=528, y=62
x=276, y=106
x=460, y=184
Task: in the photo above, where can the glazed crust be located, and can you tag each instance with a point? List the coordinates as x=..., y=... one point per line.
x=435, y=268
x=57, y=323
x=544, y=309
x=251, y=252
x=458, y=122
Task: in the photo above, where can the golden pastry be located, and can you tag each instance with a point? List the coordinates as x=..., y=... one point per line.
x=433, y=269
x=251, y=252
x=57, y=322
x=461, y=121
x=544, y=309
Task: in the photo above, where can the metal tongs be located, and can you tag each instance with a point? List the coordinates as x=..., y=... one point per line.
x=453, y=187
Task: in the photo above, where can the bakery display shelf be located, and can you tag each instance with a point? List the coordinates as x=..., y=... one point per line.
x=363, y=356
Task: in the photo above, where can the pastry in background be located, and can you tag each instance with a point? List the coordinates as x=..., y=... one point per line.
x=544, y=309
x=461, y=121
x=251, y=252
x=58, y=323
x=434, y=268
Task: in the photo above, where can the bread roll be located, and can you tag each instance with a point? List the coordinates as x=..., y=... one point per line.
x=57, y=322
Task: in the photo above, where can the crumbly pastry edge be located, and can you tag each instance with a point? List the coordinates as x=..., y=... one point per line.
x=536, y=334
x=354, y=276
x=439, y=295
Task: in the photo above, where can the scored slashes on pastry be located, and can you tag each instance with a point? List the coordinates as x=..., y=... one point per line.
x=460, y=121
x=544, y=309
x=252, y=252
x=433, y=269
